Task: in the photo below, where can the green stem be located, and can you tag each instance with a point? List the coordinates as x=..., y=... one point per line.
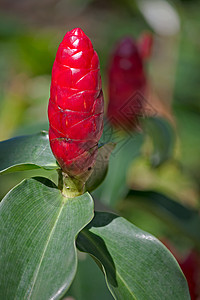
x=70, y=186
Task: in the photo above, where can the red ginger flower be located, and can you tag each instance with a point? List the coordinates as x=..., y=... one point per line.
x=127, y=83
x=76, y=104
x=191, y=269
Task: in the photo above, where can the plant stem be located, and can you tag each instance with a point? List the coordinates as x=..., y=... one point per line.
x=70, y=186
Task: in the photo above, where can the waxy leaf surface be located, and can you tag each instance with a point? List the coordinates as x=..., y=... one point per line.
x=136, y=264
x=26, y=153
x=38, y=227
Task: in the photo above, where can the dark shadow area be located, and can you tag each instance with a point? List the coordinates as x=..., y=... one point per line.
x=161, y=200
x=101, y=219
x=182, y=218
x=46, y=182
x=96, y=247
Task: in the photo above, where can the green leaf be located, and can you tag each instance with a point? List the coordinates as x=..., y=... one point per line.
x=136, y=264
x=183, y=218
x=26, y=153
x=114, y=186
x=163, y=139
x=38, y=227
x=101, y=166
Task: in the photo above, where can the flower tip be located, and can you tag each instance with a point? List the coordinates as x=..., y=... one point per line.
x=77, y=31
x=126, y=47
x=77, y=39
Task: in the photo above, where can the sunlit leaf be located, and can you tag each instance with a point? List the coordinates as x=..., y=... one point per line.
x=26, y=153
x=38, y=227
x=136, y=264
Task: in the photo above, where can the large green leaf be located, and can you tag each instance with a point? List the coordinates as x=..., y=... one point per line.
x=163, y=139
x=173, y=213
x=26, y=153
x=136, y=264
x=38, y=227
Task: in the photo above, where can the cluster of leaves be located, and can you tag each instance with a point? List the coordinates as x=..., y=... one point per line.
x=41, y=230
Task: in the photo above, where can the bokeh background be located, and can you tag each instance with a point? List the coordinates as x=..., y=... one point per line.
x=30, y=32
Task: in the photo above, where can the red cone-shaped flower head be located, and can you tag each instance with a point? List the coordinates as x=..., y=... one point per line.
x=126, y=84
x=76, y=104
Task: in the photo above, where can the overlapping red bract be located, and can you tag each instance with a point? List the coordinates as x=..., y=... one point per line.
x=76, y=104
x=126, y=82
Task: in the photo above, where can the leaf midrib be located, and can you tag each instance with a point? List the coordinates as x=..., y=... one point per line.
x=28, y=294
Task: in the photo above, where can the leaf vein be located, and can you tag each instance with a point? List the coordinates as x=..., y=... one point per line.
x=43, y=254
